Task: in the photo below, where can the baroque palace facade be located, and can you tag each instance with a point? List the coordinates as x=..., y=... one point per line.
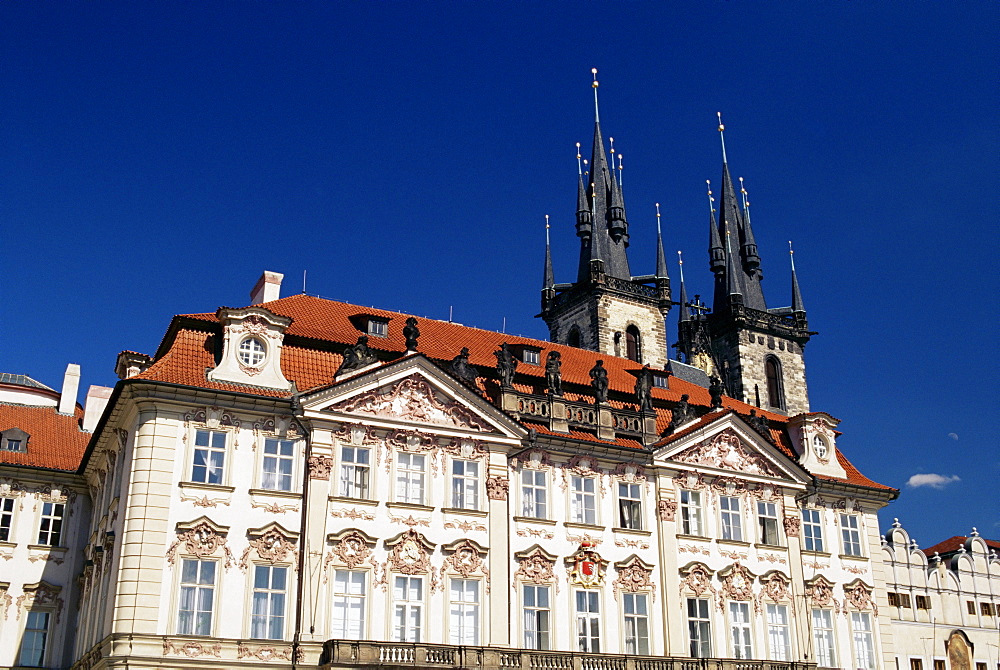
x=308, y=483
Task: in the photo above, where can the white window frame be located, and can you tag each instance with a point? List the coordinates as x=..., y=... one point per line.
x=731, y=518
x=699, y=624
x=411, y=478
x=210, y=449
x=464, y=611
x=272, y=481
x=583, y=499
x=198, y=588
x=34, y=633
x=812, y=530
x=779, y=641
x=863, y=641
x=850, y=535
x=7, y=506
x=405, y=609
x=534, y=495
x=275, y=598
x=630, y=506
x=378, y=327
x=532, y=357
x=465, y=484
x=250, y=355
x=350, y=597
x=537, y=617
x=587, y=611
x=768, y=523
x=740, y=630
x=692, y=513
x=50, y=524
x=635, y=610
x=824, y=638
x=355, y=472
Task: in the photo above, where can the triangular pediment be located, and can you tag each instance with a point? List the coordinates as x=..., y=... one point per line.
x=412, y=391
x=731, y=445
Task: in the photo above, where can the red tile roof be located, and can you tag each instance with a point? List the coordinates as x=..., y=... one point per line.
x=56, y=441
x=952, y=544
x=321, y=328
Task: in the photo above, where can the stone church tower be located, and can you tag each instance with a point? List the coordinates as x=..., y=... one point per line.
x=756, y=351
x=607, y=309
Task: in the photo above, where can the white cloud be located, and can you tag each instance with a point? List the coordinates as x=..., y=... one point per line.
x=932, y=480
x=953, y=436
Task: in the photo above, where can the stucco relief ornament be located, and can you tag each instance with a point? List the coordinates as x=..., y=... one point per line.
x=775, y=588
x=859, y=597
x=467, y=560
x=725, y=450
x=497, y=487
x=535, y=568
x=698, y=580
x=586, y=567
x=667, y=509
x=200, y=541
x=272, y=546
x=352, y=550
x=792, y=525
x=693, y=481
x=412, y=398
x=820, y=592
x=536, y=459
x=320, y=467
x=629, y=472
x=738, y=584
x=466, y=448
x=633, y=576
x=40, y=594
x=191, y=649
x=409, y=555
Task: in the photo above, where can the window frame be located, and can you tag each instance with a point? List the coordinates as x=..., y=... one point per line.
x=271, y=593
x=195, y=448
x=459, y=610
x=344, y=486
x=812, y=530
x=640, y=640
x=829, y=633
x=587, y=641
x=530, y=505
x=771, y=627
x=179, y=627
x=727, y=516
x=543, y=639
x=292, y=459
x=377, y=327
x=692, y=510
x=741, y=624
x=47, y=536
x=579, y=496
x=421, y=482
x=256, y=356
x=349, y=598
x=7, y=518
x=775, y=387
x=471, y=484
x=700, y=622
x=630, y=507
x=850, y=535
x=863, y=636
x=762, y=526
x=45, y=634
x=409, y=605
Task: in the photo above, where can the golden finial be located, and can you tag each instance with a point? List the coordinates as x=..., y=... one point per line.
x=721, y=127
x=710, y=198
x=791, y=254
x=546, y=230
x=579, y=166
x=593, y=71
x=746, y=203
x=619, y=170
x=722, y=136
x=597, y=114
x=680, y=261
x=657, y=218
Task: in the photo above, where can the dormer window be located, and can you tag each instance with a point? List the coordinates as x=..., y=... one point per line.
x=660, y=381
x=252, y=352
x=378, y=327
x=820, y=447
x=531, y=356
x=14, y=439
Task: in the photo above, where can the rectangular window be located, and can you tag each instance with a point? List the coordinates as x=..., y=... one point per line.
x=904, y=600
x=636, y=623
x=408, y=599
x=923, y=602
x=531, y=357
x=378, y=327
x=630, y=506
x=348, y=605
x=864, y=648
x=939, y=664
x=823, y=640
x=209, y=456
x=533, y=493
x=410, y=478
x=6, y=518
x=767, y=522
x=588, y=621
x=50, y=529
x=778, y=639
x=699, y=628
x=893, y=599
x=36, y=633
x=583, y=505
x=691, y=513
x=12, y=445
x=278, y=462
x=849, y=530
x=536, y=617
x=267, y=622
x=659, y=381
x=197, y=599
x=465, y=484
x=986, y=609
x=355, y=467
x=916, y=664
x=732, y=528
x=740, y=630
x=812, y=529
x=971, y=607
x=464, y=608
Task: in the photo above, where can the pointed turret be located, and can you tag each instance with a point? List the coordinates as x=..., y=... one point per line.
x=797, y=305
x=716, y=252
x=733, y=288
x=549, y=277
x=661, y=259
x=684, y=312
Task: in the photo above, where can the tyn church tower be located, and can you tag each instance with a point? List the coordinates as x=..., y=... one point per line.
x=607, y=309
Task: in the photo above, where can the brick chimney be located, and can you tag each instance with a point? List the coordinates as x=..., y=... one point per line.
x=268, y=288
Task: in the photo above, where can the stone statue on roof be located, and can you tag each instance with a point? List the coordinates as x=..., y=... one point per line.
x=760, y=423
x=553, y=373
x=644, y=388
x=460, y=367
x=681, y=414
x=357, y=356
x=411, y=333
x=506, y=365
x=715, y=389
x=599, y=381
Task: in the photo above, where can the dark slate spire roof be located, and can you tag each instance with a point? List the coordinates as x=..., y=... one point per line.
x=661, y=259
x=683, y=314
x=716, y=252
x=733, y=289
x=549, y=277
x=797, y=305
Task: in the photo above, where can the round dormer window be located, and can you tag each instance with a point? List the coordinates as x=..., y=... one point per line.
x=820, y=447
x=251, y=352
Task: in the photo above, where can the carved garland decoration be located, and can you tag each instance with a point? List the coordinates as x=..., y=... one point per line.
x=412, y=398
x=737, y=584
x=320, y=467
x=272, y=546
x=725, y=450
x=284, y=427
x=409, y=554
x=775, y=587
x=859, y=597
x=698, y=580
x=630, y=472
x=536, y=459
x=352, y=550
x=535, y=568
x=820, y=592
x=792, y=525
x=466, y=560
x=200, y=541
x=633, y=576
x=40, y=594
x=191, y=649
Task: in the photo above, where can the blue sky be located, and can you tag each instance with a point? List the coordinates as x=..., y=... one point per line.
x=156, y=157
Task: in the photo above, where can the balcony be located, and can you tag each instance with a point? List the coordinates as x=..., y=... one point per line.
x=352, y=654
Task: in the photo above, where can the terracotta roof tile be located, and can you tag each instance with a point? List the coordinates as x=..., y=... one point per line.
x=953, y=544
x=56, y=441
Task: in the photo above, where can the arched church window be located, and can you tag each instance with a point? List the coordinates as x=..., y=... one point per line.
x=633, y=344
x=775, y=392
x=573, y=339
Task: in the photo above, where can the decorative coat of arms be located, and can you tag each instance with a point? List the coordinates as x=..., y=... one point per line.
x=586, y=567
